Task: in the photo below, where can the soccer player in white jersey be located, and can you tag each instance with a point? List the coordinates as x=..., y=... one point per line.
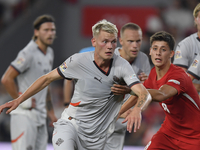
x=28, y=121
x=130, y=40
x=189, y=48
x=93, y=110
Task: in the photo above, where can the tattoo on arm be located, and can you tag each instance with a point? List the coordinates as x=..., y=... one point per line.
x=142, y=100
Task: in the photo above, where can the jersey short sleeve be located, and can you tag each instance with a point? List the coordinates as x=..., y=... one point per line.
x=194, y=68
x=67, y=68
x=22, y=61
x=177, y=82
x=176, y=78
x=182, y=56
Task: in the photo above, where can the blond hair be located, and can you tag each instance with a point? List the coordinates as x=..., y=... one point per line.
x=196, y=10
x=105, y=26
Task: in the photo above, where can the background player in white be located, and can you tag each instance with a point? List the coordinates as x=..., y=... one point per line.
x=92, y=113
x=189, y=48
x=130, y=40
x=28, y=121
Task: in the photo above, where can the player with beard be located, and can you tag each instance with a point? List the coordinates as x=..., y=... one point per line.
x=92, y=113
x=28, y=121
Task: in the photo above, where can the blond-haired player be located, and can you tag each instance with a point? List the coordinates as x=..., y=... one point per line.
x=93, y=110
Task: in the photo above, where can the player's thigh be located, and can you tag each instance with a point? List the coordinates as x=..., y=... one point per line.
x=23, y=132
x=116, y=140
x=161, y=141
x=64, y=136
x=42, y=137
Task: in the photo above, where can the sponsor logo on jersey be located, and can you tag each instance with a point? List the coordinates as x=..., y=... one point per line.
x=70, y=60
x=174, y=81
x=195, y=63
x=98, y=79
x=178, y=54
x=20, y=61
x=63, y=66
x=59, y=141
x=133, y=76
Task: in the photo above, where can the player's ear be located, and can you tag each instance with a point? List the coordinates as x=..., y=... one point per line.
x=120, y=41
x=150, y=51
x=171, y=53
x=36, y=32
x=93, y=41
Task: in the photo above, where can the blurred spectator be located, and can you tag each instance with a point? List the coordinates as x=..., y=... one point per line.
x=2, y=9
x=178, y=18
x=10, y=9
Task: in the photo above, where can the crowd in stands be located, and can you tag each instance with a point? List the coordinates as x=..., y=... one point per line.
x=11, y=9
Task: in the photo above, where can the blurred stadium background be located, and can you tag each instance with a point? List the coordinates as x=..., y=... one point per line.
x=74, y=19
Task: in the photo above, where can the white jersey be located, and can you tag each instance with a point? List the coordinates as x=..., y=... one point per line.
x=140, y=64
x=186, y=52
x=32, y=63
x=93, y=105
x=194, y=68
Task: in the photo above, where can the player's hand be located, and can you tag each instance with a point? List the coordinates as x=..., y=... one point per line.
x=142, y=77
x=53, y=119
x=120, y=89
x=134, y=118
x=11, y=105
x=33, y=101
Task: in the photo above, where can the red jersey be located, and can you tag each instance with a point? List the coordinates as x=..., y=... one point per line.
x=182, y=120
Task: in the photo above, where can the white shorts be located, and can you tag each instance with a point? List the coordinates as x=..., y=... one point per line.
x=116, y=140
x=25, y=134
x=65, y=136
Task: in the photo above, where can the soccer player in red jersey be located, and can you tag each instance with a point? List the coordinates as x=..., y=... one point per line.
x=171, y=86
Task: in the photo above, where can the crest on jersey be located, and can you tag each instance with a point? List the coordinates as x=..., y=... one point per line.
x=63, y=66
x=178, y=54
x=195, y=63
x=20, y=61
x=174, y=81
x=133, y=76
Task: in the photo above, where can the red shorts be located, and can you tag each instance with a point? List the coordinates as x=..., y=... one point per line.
x=161, y=141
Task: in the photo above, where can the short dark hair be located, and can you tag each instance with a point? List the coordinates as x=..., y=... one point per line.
x=131, y=26
x=40, y=20
x=163, y=36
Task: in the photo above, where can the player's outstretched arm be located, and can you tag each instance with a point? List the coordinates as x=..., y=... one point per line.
x=37, y=86
x=144, y=98
x=165, y=92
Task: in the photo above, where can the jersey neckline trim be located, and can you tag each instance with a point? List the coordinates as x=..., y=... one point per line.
x=106, y=73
